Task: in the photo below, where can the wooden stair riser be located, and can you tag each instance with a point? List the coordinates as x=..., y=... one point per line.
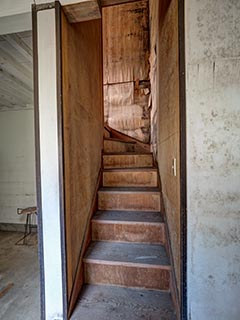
x=127, y=161
x=130, y=178
x=142, y=201
x=112, y=146
x=126, y=274
x=139, y=232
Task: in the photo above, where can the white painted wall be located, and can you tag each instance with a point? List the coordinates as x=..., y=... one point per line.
x=49, y=165
x=17, y=164
x=213, y=158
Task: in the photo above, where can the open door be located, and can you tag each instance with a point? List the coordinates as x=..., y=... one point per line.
x=82, y=87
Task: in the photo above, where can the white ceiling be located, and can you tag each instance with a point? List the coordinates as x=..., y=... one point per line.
x=16, y=71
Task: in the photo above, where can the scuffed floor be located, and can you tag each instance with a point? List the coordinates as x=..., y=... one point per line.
x=19, y=276
x=98, y=302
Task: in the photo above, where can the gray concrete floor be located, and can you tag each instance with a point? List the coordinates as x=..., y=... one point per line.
x=19, y=270
x=99, y=302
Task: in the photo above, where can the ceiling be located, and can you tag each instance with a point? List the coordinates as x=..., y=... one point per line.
x=16, y=71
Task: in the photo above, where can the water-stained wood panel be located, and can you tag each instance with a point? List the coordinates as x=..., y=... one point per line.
x=83, y=133
x=126, y=68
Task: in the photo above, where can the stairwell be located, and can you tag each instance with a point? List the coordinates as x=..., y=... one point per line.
x=127, y=271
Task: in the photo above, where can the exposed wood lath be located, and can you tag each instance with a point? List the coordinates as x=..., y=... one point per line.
x=16, y=79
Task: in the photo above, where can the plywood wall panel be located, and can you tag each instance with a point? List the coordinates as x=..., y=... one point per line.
x=165, y=137
x=125, y=42
x=126, y=68
x=83, y=130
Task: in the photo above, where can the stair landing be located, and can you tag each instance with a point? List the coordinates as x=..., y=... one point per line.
x=98, y=302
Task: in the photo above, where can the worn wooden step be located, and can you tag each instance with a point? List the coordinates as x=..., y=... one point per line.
x=127, y=160
x=131, y=177
x=129, y=226
x=114, y=145
x=124, y=264
x=127, y=199
x=103, y=302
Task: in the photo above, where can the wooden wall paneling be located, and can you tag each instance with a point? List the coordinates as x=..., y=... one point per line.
x=83, y=11
x=83, y=134
x=126, y=108
x=165, y=93
x=106, y=3
x=126, y=68
x=125, y=42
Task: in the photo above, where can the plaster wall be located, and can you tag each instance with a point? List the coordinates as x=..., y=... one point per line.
x=17, y=164
x=213, y=144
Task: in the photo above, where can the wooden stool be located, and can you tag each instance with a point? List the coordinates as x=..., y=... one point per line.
x=29, y=212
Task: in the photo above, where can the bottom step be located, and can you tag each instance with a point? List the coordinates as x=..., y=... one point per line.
x=99, y=302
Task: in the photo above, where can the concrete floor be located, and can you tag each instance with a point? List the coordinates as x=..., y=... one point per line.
x=19, y=270
x=99, y=302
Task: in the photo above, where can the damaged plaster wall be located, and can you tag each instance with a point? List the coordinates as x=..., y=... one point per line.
x=213, y=158
x=126, y=69
x=17, y=164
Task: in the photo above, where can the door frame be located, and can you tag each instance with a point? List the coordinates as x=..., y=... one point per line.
x=35, y=9
x=183, y=159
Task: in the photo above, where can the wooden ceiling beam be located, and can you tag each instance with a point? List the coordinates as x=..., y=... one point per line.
x=83, y=11
x=18, y=44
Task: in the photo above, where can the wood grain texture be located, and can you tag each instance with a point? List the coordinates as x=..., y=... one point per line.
x=153, y=277
x=130, y=178
x=82, y=11
x=128, y=200
x=126, y=68
x=127, y=264
x=127, y=160
x=83, y=130
x=118, y=146
x=165, y=92
x=106, y=3
x=125, y=49
x=129, y=231
x=16, y=75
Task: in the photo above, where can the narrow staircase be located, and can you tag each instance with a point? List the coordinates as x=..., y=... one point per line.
x=126, y=268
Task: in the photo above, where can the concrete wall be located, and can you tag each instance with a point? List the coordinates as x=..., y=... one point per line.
x=17, y=164
x=213, y=158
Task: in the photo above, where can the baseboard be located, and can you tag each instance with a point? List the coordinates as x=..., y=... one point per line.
x=15, y=227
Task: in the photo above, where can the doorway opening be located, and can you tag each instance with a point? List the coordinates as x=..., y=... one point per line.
x=19, y=267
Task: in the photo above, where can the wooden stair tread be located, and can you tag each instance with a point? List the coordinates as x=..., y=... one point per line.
x=129, y=253
x=101, y=302
x=128, y=216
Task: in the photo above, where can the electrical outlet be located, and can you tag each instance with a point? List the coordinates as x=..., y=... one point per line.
x=174, y=167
